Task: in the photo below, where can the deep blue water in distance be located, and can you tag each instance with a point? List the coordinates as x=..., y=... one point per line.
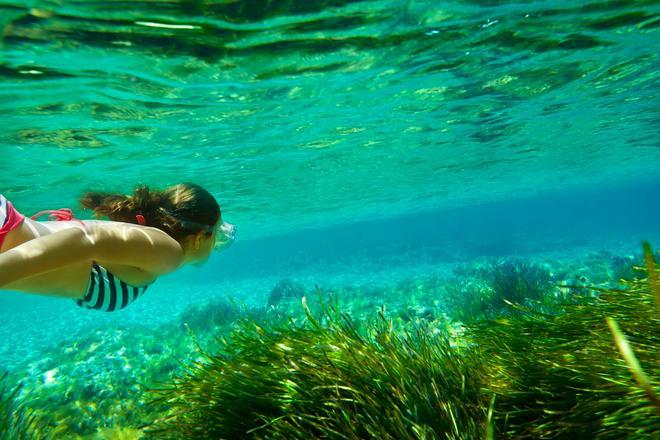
x=351, y=142
x=615, y=217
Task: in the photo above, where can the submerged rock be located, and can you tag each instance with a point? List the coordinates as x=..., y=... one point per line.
x=285, y=289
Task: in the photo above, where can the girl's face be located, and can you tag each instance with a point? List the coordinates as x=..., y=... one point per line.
x=222, y=237
x=201, y=250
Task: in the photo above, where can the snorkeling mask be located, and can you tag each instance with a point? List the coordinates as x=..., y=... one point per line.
x=224, y=236
x=224, y=232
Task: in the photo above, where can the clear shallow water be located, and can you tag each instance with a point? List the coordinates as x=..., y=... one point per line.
x=353, y=143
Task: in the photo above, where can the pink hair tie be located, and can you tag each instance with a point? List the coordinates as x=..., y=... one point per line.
x=140, y=219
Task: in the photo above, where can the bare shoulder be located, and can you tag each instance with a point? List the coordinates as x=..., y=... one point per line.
x=144, y=247
x=110, y=228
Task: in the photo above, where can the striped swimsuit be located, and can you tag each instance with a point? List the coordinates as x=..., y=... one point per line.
x=104, y=291
x=108, y=293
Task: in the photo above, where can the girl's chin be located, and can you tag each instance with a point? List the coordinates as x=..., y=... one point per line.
x=200, y=263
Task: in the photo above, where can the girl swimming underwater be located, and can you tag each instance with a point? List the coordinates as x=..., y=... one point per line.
x=106, y=265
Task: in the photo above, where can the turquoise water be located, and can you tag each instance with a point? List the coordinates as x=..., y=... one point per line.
x=353, y=143
x=297, y=114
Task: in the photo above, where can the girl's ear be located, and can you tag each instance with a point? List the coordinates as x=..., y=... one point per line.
x=199, y=238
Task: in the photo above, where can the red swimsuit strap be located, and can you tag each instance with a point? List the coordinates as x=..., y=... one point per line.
x=55, y=214
x=62, y=214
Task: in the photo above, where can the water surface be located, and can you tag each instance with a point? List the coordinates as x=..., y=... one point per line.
x=298, y=114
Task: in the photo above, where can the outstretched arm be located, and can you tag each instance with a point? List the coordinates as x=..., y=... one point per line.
x=147, y=248
x=45, y=253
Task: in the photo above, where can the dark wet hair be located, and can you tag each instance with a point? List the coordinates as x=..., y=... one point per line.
x=179, y=210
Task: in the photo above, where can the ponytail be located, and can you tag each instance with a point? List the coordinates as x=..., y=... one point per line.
x=179, y=210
